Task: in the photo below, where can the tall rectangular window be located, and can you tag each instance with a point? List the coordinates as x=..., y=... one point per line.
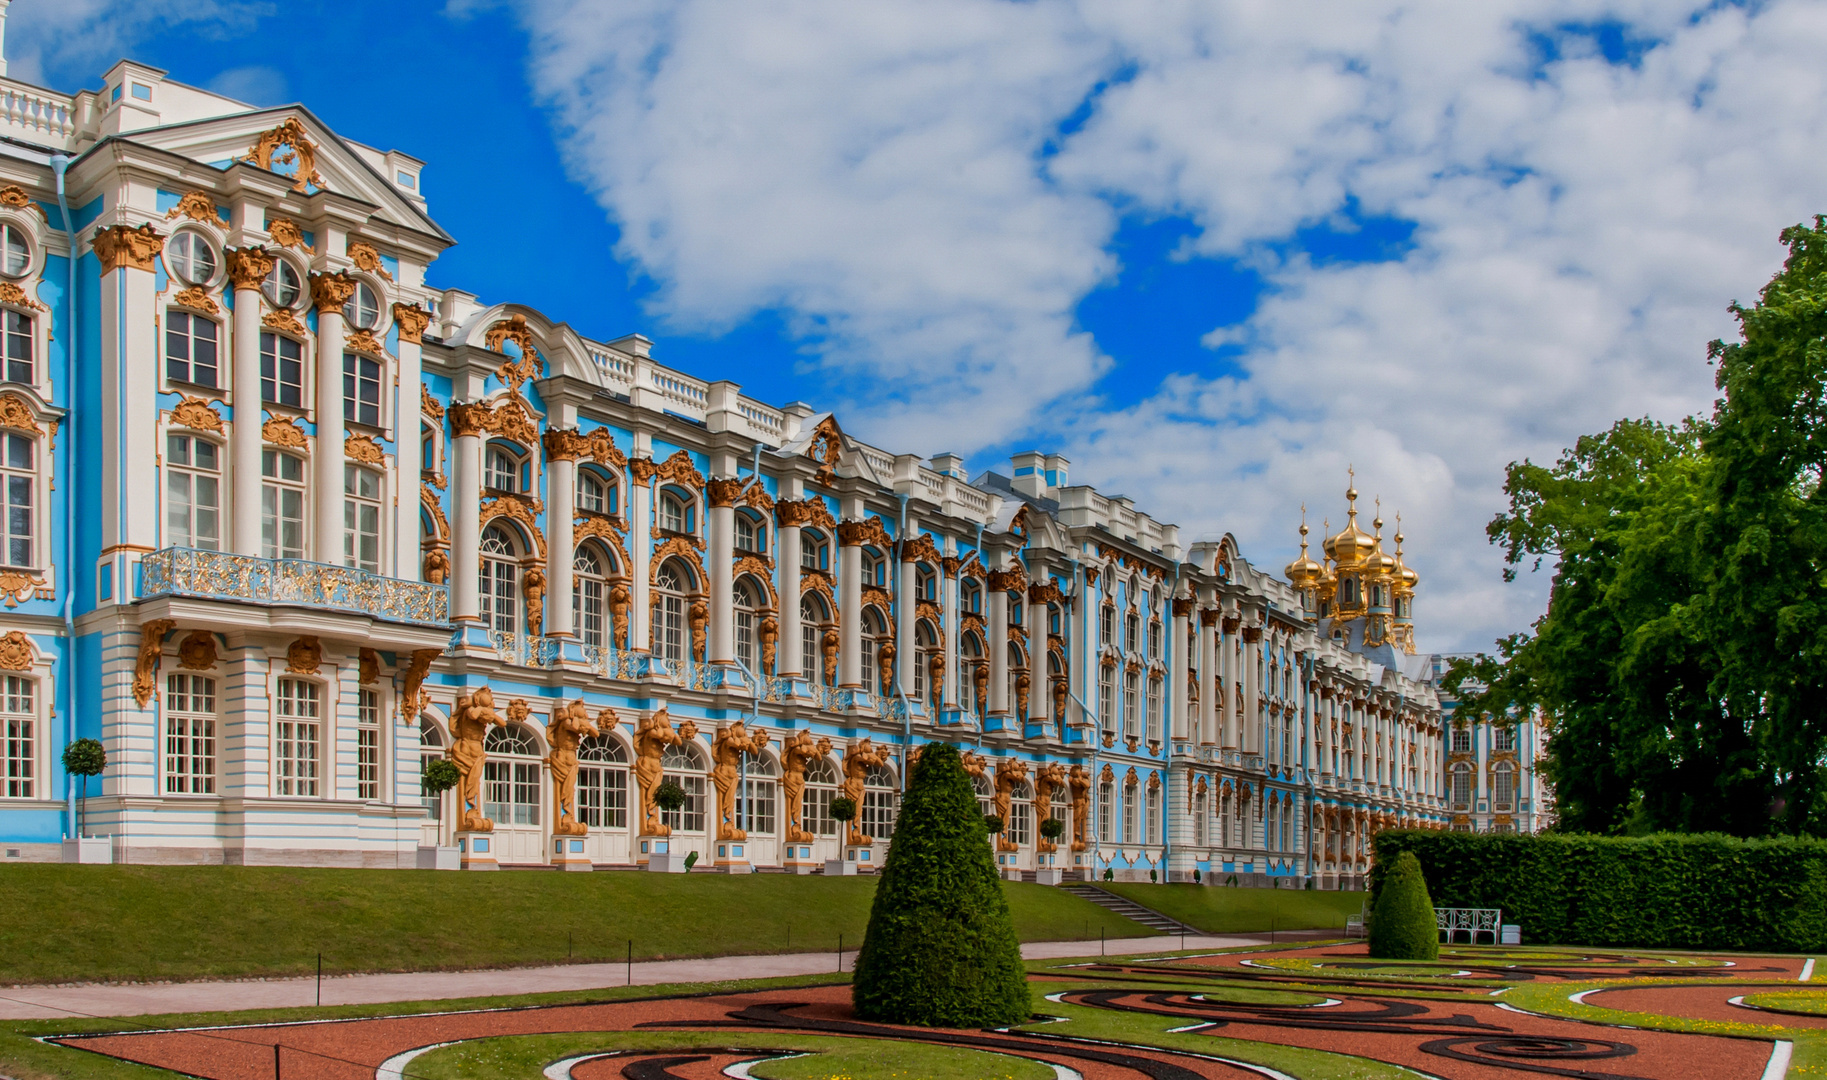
x=878, y=812
x=758, y=802
x=362, y=518
x=1154, y=815
x=368, y=744
x=1462, y=740
x=193, y=493
x=21, y=723
x=1106, y=625
x=1154, y=710
x=282, y=494
x=1021, y=823
x=690, y=817
x=1131, y=706
x=190, y=735
x=1129, y=813
x=511, y=792
x=1503, y=737
x=191, y=354
x=20, y=367
x=602, y=796
x=297, y=738
x=1106, y=698
x=281, y=370
x=1104, y=792
x=19, y=469
x=1130, y=624
x=1462, y=786
x=361, y=390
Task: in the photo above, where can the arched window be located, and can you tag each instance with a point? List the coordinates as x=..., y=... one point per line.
x=674, y=513
x=875, y=632
x=1503, y=786
x=880, y=803
x=748, y=614
x=814, y=550
x=596, y=492
x=970, y=595
x=926, y=584
x=1020, y=826
x=589, y=592
x=431, y=748
x=875, y=568
x=1018, y=663
x=1132, y=623
x=970, y=649
x=814, y=620
x=602, y=783
x=751, y=533
x=684, y=764
x=1106, y=697
x=671, y=635
x=1132, y=710
x=363, y=308
x=760, y=795
x=193, y=492
x=1462, y=786
x=503, y=472
x=986, y=795
x=498, y=591
x=926, y=647
x=815, y=802
x=510, y=776
x=282, y=285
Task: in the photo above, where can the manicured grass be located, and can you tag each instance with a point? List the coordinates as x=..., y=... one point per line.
x=133, y=923
x=1224, y=910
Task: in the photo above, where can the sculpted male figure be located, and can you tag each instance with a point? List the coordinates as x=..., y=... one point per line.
x=569, y=726
x=1009, y=776
x=798, y=751
x=1079, y=779
x=1047, y=779
x=469, y=724
x=858, y=760
x=726, y=759
x=651, y=739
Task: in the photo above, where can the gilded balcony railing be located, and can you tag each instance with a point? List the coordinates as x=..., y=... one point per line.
x=219, y=575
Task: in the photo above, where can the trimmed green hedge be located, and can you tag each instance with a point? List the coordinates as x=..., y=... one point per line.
x=1705, y=891
x=1402, y=925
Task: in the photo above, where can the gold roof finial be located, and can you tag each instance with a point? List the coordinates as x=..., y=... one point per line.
x=1377, y=522
x=1398, y=534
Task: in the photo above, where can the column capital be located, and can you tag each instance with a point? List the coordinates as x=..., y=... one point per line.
x=723, y=493
x=412, y=321
x=329, y=292
x=119, y=246
x=249, y=266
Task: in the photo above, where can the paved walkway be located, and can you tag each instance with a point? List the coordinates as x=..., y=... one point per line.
x=140, y=999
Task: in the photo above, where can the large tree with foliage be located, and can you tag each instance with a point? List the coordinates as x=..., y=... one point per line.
x=1680, y=662
x=940, y=949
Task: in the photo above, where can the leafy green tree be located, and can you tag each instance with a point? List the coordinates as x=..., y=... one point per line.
x=1402, y=924
x=1679, y=666
x=84, y=758
x=940, y=949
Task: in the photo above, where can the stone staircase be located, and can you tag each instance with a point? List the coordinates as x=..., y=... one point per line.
x=1129, y=909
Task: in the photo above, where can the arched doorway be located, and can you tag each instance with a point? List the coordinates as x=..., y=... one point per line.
x=603, y=797
x=512, y=779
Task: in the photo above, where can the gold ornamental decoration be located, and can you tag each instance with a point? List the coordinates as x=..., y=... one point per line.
x=368, y=667
x=572, y=445
x=796, y=752
x=16, y=414
x=731, y=742
x=329, y=292
x=676, y=547
x=515, y=371
x=1048, y=779
x=285, y=322
x=412, y=321
x=509, y=419
x=14, y=296
x=118, y=246
x=366, y=258
x=196, y=298
x=756, y=497
x=858, y=760
x=1010, y=774
x=195, y=413
x=569, y=725
x=249, y=266
x=304, y=656
x=756, y=567
x=808, y=511
x=428, y=405
x=197, y=206
x=298, y=150
x=15, y=649
x=15, y=196
x=283, y=431
x=676, y=469
x=521, y=509
x=363, y=448
x=651, y=739
x=146, y=668
x=286, y=233
x=470, y=720
x=412, y=693
x=1079, y=780
x=867, y=531
x=723, y=493
x=197, y=652
x=364, y=341
x=920, y=549
x=826, y=448
x=1046, y=593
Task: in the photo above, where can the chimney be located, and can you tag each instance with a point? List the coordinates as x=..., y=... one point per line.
x=1030, y=477
x=949, y=465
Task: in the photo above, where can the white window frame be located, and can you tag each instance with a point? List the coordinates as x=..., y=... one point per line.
x=356, y=507
x=274, y=490
x=191, y=744
x=297, y=774
x=368, y=743
x=193, y=490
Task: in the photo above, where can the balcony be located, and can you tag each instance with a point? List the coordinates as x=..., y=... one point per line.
x=218, y=575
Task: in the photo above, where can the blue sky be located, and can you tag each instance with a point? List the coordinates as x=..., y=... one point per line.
x=1214, y=253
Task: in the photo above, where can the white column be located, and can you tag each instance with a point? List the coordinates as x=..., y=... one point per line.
x=948, y=611
x=409, y=396
x=904, y=652
x=1040, y=686
x=850, y=616
x=640, y=550
x=1211, y=705
x=722, y=521
x=997, y=600
x=329, y=293
x=561, y=485
x=1072, y=622
x=465, y=526
x=787, y=660
x=248, y=267
x=1177, y=667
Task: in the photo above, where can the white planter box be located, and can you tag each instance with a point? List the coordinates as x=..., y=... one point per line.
x=840, y=868
x=94, y=850
x=666, y=862
x=439, y=858
x=1049, y=875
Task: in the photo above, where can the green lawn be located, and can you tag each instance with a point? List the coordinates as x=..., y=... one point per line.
x=1224, y=910
x=132, y=923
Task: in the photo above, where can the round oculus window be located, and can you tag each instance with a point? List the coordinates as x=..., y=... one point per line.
x=281, y=285
x=363, y=308
x=15, y=251
x=190, y=258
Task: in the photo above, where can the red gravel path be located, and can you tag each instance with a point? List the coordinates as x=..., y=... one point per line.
x=1708, y=1002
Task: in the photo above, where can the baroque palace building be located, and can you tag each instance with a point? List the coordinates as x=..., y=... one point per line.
x=286, y=524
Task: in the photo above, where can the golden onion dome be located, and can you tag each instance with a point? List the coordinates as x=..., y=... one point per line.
x=1353, y=546
x=1381, y=563
x=1406, y=579
x=1303, y=572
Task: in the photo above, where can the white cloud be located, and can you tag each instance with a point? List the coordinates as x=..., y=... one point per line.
x=257, y=84
x=78, y=39
x=877, y=172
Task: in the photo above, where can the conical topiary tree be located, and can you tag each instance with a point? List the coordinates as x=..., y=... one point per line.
x=1402, y=924
x=941, y=949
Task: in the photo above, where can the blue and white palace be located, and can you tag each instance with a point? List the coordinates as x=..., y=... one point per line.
x=278, y=512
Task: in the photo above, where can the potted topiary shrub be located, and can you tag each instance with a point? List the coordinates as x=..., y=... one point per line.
x=85, y=758
x=670, y=798
x=992, y=824
x=843, y=811
x=435, y=779
x=1052, y=829
x=1402, y=923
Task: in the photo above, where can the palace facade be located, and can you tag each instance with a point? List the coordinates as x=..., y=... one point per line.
x=286, y=525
